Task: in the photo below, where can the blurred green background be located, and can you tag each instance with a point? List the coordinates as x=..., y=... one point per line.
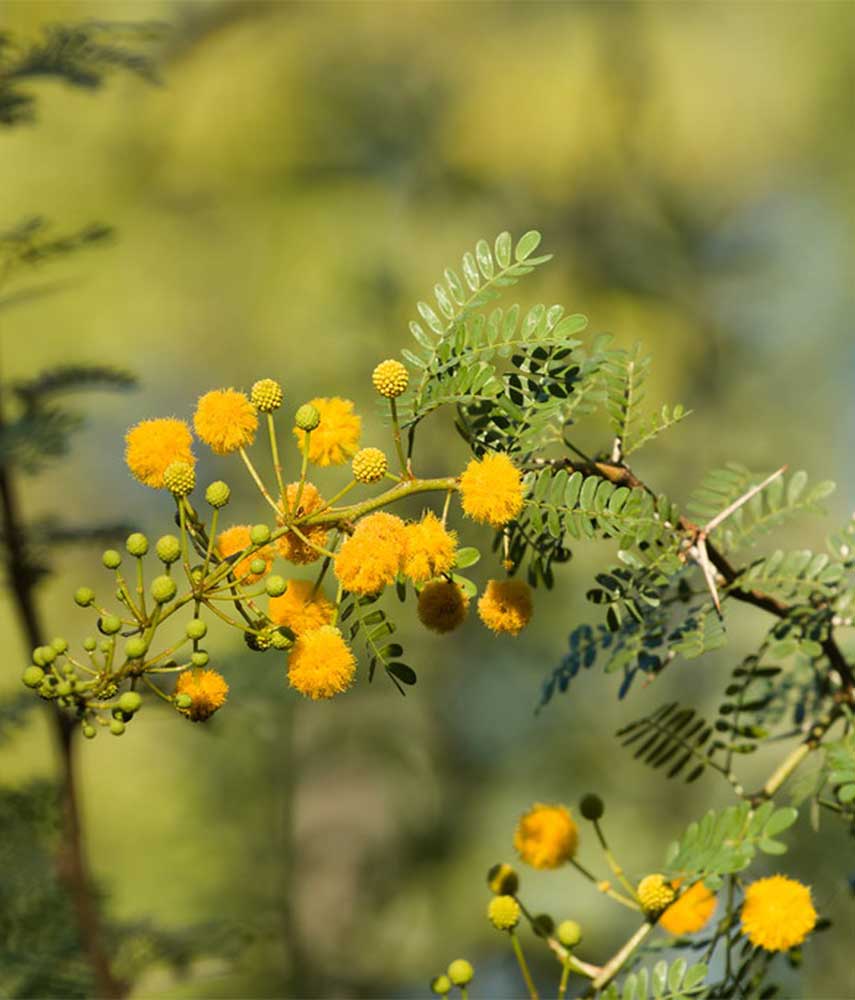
x=298, y=181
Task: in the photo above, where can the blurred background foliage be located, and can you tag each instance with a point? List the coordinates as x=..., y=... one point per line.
x=281, y=201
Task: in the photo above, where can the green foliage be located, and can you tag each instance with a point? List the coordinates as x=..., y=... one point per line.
x=839, y=766
x=676, y=981
x=373, y=627
x=793, y=575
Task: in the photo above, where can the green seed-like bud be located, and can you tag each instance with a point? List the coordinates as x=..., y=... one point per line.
x=196, y=629
x=592, y=807
x=47, y=691
x=179, y=478
x=163, y=589
x=117, y=727
x=266, y=395
x=275, y=586
x=64, y=689
x=168, y=549
x=137, y=544
x=88, y=731
x=68, y=669
x=38, y=657
x=259, y=534
x=130, y=702
x=199, y=658
x=307, y=417
x=111, y=559
x=441, y=985
x=460, y=972
x=47, y=653
x=84, y=596
x=257, y=566
x=197, y=575
x=109, y=625
x=278, y=640
x=183, y=701
x=217, y=494
x=90, y=643
x=569, y=933
x=59, y=644
x=135, y=647
x=105, y=645
x=33, y=676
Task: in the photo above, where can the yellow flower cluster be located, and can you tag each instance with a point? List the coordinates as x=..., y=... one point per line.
x=692, y=911
x=321, y=664
x=336, y=438
x=225, y=420
x=206, y=689
x=777, y=913
x=546, y=836
x=655, y=893
x=506, y=606
x=236, y=539
x=291, y=545
x=429, y=549
x=151, y=446
x=491, y=490
x=301, y=608
x=442, y=606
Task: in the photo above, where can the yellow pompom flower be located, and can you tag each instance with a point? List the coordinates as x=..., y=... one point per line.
x=207, y=691
x=369, y=465
x=546, y=836
x=691, y=912
x=491, y=490
x=336, y=438
x=429, y=549
x=503, y=912
x=777, y=913
x=236, y=539
x=151, y=446
x=321, y=664
x=290, y=545
x=390, y=378
x=179, y=478
x=442, y=606
x=225, y=420
x=655, y=893
x=301, y=608
x=505, y=606
x=370, y=559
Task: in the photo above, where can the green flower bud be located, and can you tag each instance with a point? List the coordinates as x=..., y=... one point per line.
x=137, y=544
x=88, y=731
x=168, y=549
x=47, y=654
x=591, y=807
x=257, y=567
x=90, y=643
x=47, y=691
x=217, y=494
x=105, y=645
x=199, y=658
x=569, y=933
x=68, y=669
x=279, y=640
x=38, y=657
x=84, y=596
x=109, y=625
x=196, y=629
x=59, y=644
x=183, y=701
x=307, y=417
x=275, y=586
x=259, y=534
x=130, y=702
x=460, y=972
x=441, y=985
x=111, y=559
x=266, y=395
x=117, y=727
x=163, y=589
x=64, y=689
x=179, y=478
x=33, y=676
x=135, y=647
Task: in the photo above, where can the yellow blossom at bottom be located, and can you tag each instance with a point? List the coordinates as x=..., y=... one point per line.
x=206, y=689
x=370, y=559
x=301, y=608
x=777, y=913
x=546, y=836
x=321, y=664
x=442, y=606
x=505, y=606
x=692, y=911
x=429, y=549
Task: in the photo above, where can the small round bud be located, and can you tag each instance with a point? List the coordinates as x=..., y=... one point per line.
x=38, y=657
x=259, y=534
x=179, y=478
x=196, y=629
x=135, y=647
x=369, y=465
x=275, y=586
x=183, y=701
x=307, y=417
x=47, y=654
x=64, y=689
x=266, y=395
x=111, y=559
x=117, y=727
x=33, y=676
x=217, y=494
x=84, y=596
x=163, y=589
x=440, y=985
x=569, y=933
x=278, y=640
x=130, y=702
x=655, y=893
x=90, y=643
x=543, y=925
x=199, y=658
x=168, y=549
x=460, y=972
x=88, y=731
x=257, y=567
x=503, y=912
x=136, y=544
x=47, y=690
x=591, y=807
x=390, y=378
x=197, y=574
x=109, y=625
x=105, y=645
x=503, y=880
x=59, y=644
x=68, y=669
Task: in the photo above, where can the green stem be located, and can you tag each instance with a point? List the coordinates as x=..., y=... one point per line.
x=565, y=975
x=396, y=432
x=621, y=957
x=611, y=860
x=274, y=450
x=529, y=984
x=392, y=495
x=247, y=461
x=304, y=467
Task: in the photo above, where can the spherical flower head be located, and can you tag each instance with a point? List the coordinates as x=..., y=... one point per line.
x=369, y=465
x=163, y=589
x=655, y=893
x=503, y=880
x=503, y=912
x=491, y=490
x=321, y=664
x=777, y=913
x=153, y=445
x=236, y=539
x=441, y=985
x=301, y=608
x=290, y=545
x=168, y=549
x=225, y=420
x=336, y=438
x=390, y=378
x=206, y=689
x=266, y=395
x=217, y=495
x=505, y=606
x=569, y=933
x=460, y=972
x=136, y=544
x=429, y=549
x=546, y=836
x=179, y=478
x=370, y=559
x=442, y=606
x=691, y=912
